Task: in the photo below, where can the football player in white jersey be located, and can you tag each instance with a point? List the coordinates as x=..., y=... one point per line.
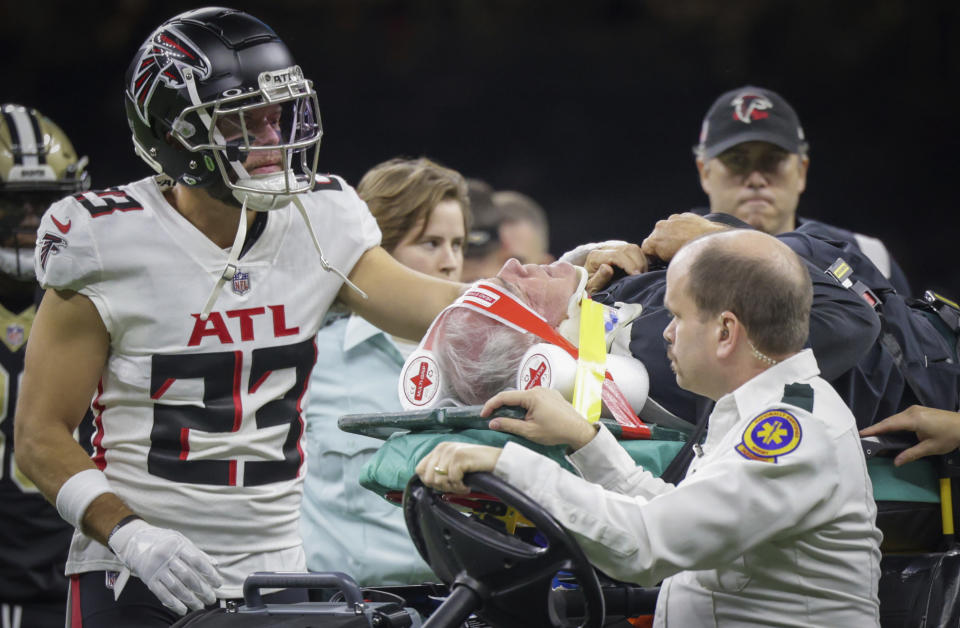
x=185, y=307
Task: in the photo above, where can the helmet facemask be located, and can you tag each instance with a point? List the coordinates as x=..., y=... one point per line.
x=264, y=143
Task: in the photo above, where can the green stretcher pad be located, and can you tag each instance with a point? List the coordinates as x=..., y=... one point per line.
x=409, y=436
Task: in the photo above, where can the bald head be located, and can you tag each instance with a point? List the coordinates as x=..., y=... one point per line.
x=755, y=276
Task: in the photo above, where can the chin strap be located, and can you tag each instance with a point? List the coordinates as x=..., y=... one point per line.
x=323, y=260
x=230, y=269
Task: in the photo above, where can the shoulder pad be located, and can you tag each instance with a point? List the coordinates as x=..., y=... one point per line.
x=800, y=395
x=328, y=182
x=65, y=256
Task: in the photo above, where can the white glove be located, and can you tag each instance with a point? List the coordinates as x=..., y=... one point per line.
x=172, y=567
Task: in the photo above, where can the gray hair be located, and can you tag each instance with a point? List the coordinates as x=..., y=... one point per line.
x=477, y=355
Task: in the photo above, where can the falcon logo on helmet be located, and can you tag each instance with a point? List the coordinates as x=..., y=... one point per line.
x=749, y=107
x=165, y=59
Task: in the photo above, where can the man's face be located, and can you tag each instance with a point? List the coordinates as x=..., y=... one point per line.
x=691, y=346
x=758, y=182
x=20, y=216
x=545, y=288
x=524, y=241
x=436, y=249
x=262, y=129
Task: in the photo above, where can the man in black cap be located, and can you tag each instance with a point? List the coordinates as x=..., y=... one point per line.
x=752, y=158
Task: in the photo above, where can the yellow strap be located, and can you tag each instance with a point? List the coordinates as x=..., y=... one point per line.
x=946, y=506
x=592, y=364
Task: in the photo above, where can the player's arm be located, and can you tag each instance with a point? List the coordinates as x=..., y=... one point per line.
x=65, y=357
x=66, y=354
x=401, y=301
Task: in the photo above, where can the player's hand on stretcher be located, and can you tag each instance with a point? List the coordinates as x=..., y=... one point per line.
x=172, y=567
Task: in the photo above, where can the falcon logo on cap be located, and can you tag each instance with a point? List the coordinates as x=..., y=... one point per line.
x=748, y=107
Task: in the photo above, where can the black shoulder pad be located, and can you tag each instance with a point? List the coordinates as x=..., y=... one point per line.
x=800, y=395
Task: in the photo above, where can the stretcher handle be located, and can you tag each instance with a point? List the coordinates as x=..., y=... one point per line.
x=281, y=580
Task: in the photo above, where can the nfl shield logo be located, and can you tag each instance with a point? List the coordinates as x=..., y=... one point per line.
x=241, y=283
x=15, y=335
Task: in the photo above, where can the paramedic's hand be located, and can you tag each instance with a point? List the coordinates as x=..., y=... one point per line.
x=602, y=262
x=443, y=468
x=938, y=431
x=671, y=234
x=172, y=567
x=550, y=419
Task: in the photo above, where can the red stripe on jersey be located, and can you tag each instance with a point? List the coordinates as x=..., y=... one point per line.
x=233, y=473
x=260, y=381
x=306, y=385
x=184, y=442
x=163, y=388
x=76, y=613
x=99, y=453
x=237, y=403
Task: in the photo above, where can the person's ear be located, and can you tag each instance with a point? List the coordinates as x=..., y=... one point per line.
x=704, y=169
x=804, y=165
x=726, y=334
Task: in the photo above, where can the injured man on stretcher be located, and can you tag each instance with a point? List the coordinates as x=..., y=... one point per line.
x=774, y=521
x=484, y=343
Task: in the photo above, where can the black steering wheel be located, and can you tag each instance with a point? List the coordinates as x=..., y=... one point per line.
x=504, y=579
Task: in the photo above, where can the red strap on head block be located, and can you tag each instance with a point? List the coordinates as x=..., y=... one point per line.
x=494, y=302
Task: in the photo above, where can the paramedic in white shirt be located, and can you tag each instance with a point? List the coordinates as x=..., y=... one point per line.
x=774, y=523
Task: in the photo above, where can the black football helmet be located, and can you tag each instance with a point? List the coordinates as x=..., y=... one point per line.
x=214, y=99
x=38, y=165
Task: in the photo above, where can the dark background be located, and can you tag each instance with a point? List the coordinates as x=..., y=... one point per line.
x=590, y=107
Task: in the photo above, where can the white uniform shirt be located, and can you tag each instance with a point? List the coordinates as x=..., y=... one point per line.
x=199, y=425
x=746, y=539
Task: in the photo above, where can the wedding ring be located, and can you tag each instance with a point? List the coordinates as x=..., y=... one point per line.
x=439, y=471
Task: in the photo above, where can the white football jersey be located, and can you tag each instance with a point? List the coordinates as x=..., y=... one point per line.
x=199, y=425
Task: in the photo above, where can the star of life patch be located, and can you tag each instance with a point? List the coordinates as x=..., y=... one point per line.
x=772, y=434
